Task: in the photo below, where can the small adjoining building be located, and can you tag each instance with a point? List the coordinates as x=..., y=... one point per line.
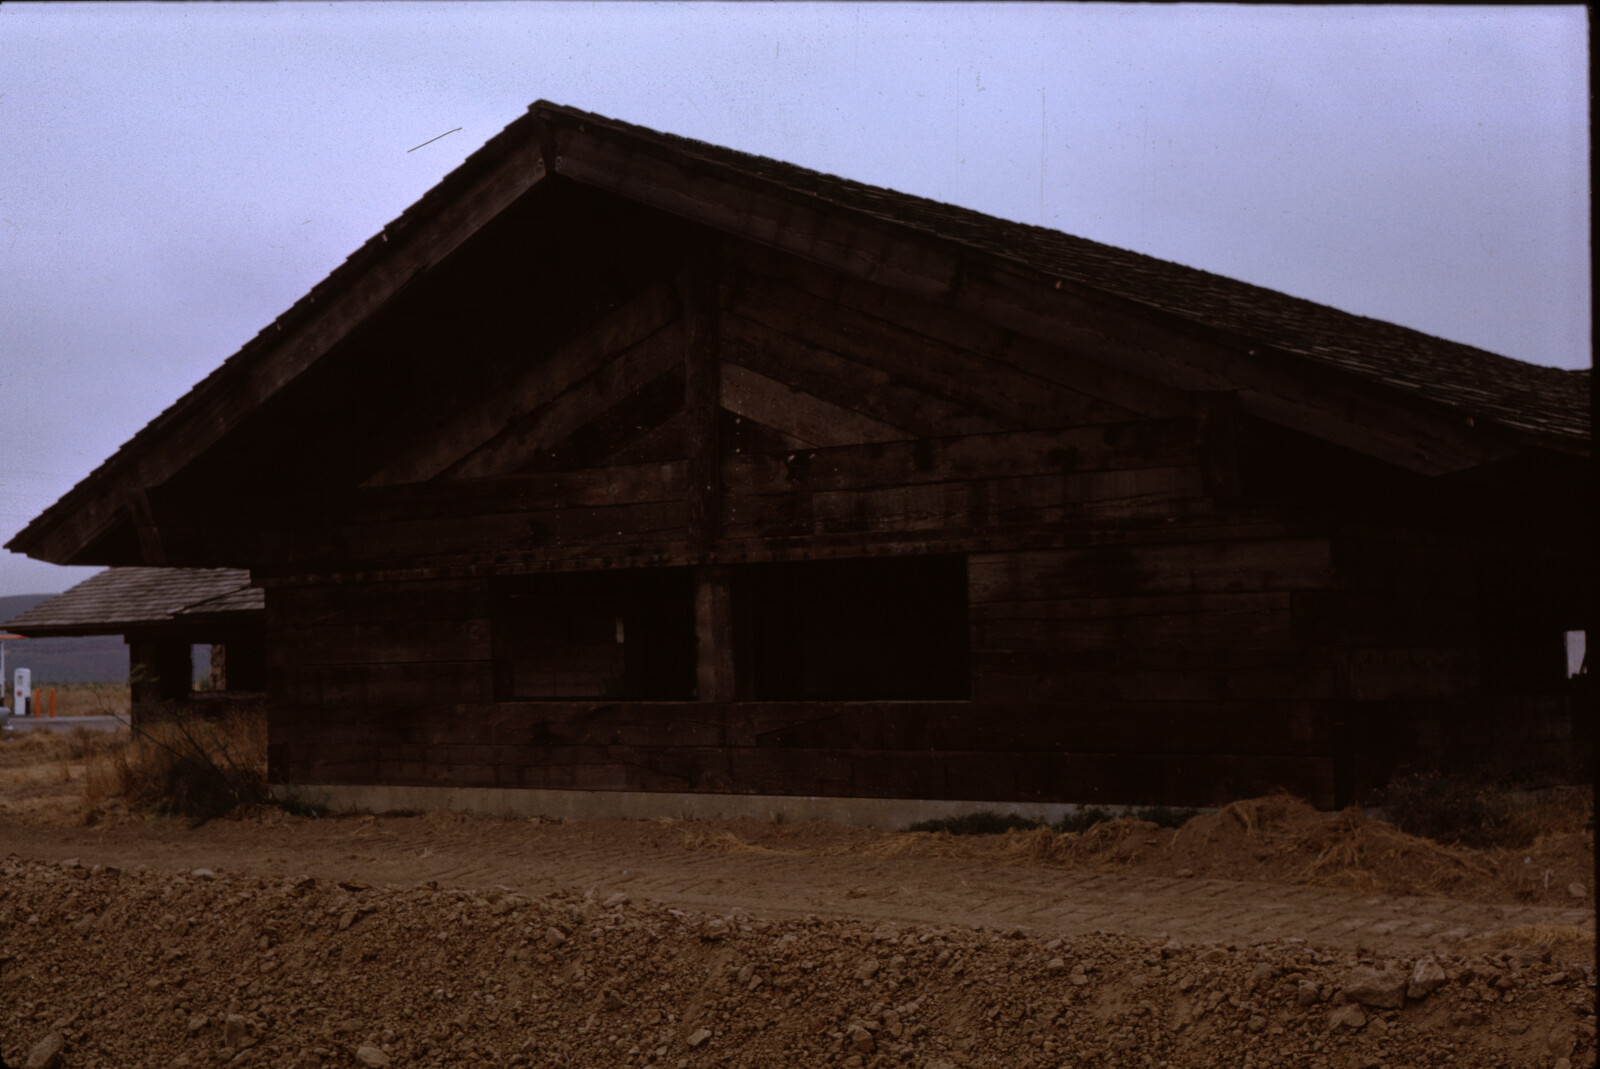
x=162, y=614
x=625, y=473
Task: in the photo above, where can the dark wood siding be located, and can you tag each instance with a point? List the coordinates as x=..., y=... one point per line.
x=1154, y=604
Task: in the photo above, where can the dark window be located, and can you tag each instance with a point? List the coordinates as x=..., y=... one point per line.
x=595, y=635
x=887, y=628
x=1527, y=615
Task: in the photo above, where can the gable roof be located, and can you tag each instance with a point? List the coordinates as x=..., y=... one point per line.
x=119, y=599
x=1545, y=401
x=918, y=245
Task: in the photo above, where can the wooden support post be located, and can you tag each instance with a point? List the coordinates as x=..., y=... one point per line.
x=1218, y=416
x=713, y=585
x=697, y=287
x=161, y=672
x=144, y=525
x=713, y=631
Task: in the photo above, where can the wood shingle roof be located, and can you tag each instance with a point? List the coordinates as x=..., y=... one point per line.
x=119, y=599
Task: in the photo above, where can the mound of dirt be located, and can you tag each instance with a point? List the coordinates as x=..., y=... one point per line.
x=1278, y=839
x=155, y=970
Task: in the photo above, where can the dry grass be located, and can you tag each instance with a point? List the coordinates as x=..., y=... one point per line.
x=1102, y=842
x=183, y=765
x=1470, y=810
x=1355, y=853
x=725, y=842
x=1277, y=837
x=1563, y=942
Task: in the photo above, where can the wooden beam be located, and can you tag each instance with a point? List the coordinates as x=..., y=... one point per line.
x=302, y=336
x=819, y=232
x=942, y=388
x=849, y=383
x=807, y=417
x=1161, y=443
x=715, y=680
x=612, y=384
x=1218, y=415
x=151, y=548
x=1122, y=395
x=546, y=379
x=702, y=315
x=1284, y=388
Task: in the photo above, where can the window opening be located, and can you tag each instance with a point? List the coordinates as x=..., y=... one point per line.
x=876, y=629
x=595, y=636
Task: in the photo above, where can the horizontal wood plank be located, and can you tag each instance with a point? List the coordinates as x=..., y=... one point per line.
x=927, y=750
x=1124, y=570
x=391, y=642
x=967, y=458
x=1212, y=629
x=357, y=603
x=992, y=503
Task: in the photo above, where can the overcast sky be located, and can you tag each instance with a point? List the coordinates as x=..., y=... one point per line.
x=175, y=176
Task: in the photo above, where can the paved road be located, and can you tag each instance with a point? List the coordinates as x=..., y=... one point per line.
x=654, y=862
x=64, y=723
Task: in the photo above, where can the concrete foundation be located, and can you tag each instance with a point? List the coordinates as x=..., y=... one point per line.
x=880, y=813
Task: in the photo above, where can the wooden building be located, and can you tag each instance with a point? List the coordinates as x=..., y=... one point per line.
x=631, y=466
x=162, y=614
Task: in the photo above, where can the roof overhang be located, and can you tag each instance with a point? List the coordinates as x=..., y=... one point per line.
x=764, y=202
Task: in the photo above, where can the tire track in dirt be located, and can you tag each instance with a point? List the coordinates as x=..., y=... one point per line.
x=653, y=863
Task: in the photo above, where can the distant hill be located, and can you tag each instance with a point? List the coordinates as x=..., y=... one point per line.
x=17, y=604
x=90, y=659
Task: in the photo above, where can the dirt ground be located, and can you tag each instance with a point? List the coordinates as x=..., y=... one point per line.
x=1263, y=935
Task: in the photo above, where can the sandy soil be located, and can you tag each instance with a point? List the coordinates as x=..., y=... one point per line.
x=1266, y=934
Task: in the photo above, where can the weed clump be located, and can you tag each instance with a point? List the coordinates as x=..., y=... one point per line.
x=985, y=822
x=298, y=803
x=988, y=822
x=1460, y=809
x=184, y=765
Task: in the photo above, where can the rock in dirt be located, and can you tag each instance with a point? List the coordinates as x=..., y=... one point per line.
x=371, y=1056
x=1383, y=988
x=699, y=1036
x=1425, y=979
x=46, y=1054
x=1349, y=1015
